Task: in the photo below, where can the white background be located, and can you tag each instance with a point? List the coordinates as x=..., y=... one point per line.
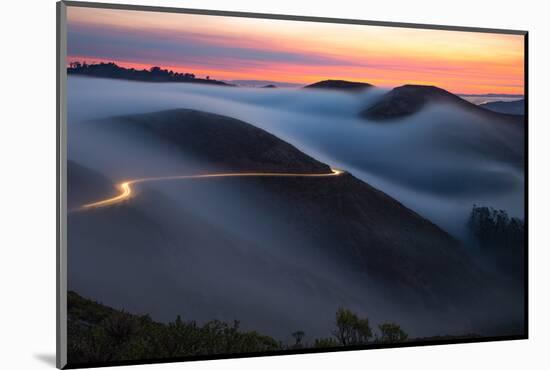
x=27, y=196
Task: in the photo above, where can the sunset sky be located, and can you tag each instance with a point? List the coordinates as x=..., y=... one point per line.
x=230, y=48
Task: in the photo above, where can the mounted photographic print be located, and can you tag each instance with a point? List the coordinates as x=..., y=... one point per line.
x=238, y=184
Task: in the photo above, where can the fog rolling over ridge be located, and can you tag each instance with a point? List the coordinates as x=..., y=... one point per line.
x=439, y=162
x=244, y=248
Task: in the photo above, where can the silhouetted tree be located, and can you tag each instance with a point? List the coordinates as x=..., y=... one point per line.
x=155, y=73
x=501, y=237
x=325, y=343
x=391, y=333
x=493, y=226
x=298, y=335
x=351, y=330
x=97, y=333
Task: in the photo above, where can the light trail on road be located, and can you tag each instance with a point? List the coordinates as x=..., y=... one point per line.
x=126, y=191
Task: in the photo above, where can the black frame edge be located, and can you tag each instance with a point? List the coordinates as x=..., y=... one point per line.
x=526, y=183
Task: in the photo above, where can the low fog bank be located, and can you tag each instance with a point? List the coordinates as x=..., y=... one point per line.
x=483, y=99
x=210, y=250
x=221, y=249
x=437, y=161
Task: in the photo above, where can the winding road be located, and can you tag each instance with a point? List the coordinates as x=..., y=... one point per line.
x=126, y=191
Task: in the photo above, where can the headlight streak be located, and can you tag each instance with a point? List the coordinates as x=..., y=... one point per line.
x=126, y=191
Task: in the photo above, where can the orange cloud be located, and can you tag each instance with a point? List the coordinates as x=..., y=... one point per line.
x=301, y=52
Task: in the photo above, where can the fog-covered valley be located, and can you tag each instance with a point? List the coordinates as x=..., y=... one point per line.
x=261, y=250
x=437, y=161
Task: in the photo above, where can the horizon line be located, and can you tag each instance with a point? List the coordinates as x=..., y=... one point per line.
x=128, y=65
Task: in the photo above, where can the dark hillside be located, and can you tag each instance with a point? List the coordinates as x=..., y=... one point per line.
x=349, y=218
x=222, y=141
x=406, y=100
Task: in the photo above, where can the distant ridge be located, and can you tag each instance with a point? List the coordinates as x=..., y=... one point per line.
x=492, y=95
x=508, y=107
x=339, y=85
x=261, y=83
x=409, y=99
x=154, y=74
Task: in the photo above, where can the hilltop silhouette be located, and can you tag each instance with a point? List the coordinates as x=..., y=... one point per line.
x=154, y=74
x=339, y=85
x=406, y=100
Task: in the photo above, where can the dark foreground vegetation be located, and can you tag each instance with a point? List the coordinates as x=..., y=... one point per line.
x=500, y=236
x=154, y=74
x=97, y=333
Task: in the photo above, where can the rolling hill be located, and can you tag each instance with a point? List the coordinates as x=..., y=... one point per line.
x=288, y=248
x=406, y=100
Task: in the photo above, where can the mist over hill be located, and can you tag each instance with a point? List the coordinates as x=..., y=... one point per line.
x=221, y=141
x=389, y=239
x=406, y=100
x=455, y=157
x=298, y=247
x=85, y=185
